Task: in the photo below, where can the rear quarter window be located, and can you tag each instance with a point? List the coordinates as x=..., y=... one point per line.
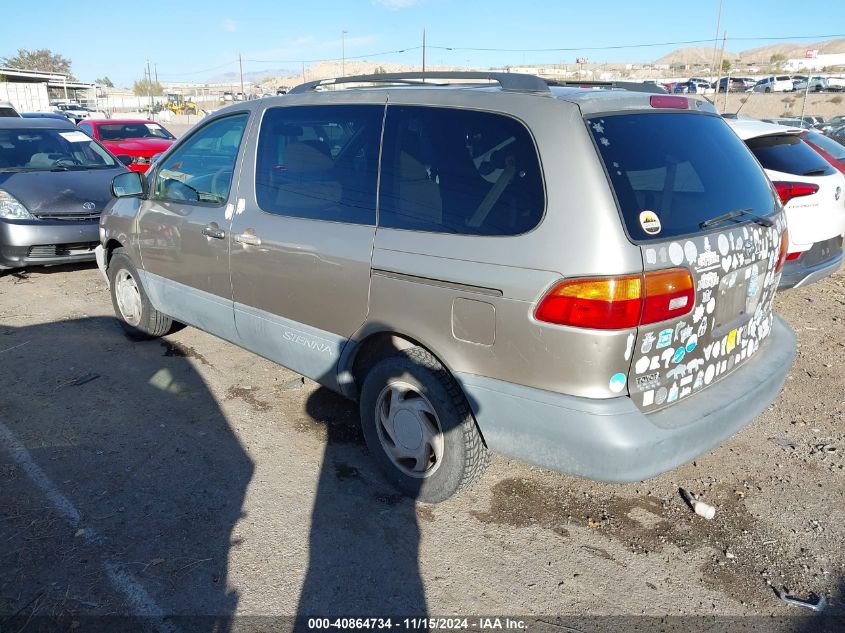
x=465, y=172
x=787, y=153
x=685, y=168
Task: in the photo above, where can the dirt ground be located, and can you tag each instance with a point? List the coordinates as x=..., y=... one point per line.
x=780, y=104
x=185, y=476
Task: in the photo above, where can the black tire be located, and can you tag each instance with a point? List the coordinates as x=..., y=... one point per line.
x=768, y=89
x=151, y=323
x=464, y=454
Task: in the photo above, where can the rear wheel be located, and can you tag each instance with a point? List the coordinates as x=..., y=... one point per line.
x=136, y=314
x=419, y=428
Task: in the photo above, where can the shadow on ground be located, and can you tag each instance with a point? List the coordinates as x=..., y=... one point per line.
x=134, y=442
x=365, y=537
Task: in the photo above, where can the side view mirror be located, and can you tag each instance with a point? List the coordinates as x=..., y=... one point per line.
x=131, y=184
x=126, y=159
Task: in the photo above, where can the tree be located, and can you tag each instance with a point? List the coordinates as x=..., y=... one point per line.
x=42, y=60
x=144, y=87
x=104, y=81
x=777, y=58
x=726, y=65
x=380, y=71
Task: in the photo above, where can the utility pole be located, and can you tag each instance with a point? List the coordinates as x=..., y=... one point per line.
x=241, y=66
x=343, y=53
x=715, y=45
x=423, y=69
x=806, y=90
x=721, y=59
x=149, y=86
x=303, y=72
x=155, y=67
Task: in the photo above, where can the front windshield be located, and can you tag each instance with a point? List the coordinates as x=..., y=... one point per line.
x=44, y=149
x=121, y=131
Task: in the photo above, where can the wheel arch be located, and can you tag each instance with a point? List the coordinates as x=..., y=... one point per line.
x=376, y=344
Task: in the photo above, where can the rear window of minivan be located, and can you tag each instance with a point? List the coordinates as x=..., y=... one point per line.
x=787, y=153
x=685, y=168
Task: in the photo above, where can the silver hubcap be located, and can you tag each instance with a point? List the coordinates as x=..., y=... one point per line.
x=409, y=430
x=128, y=297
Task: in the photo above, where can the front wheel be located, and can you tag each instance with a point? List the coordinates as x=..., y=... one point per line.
x=419, y=428
x=140, y=320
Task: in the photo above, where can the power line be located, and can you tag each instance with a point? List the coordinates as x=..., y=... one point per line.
x=510, y=50
x=622, y=46
x=332, y=59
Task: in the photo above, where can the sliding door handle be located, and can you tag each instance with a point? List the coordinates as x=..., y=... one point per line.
x=212, y=230
x=248, y=238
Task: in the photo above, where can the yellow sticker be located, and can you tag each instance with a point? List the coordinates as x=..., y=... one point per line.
x=731, y=341
x=650, y=222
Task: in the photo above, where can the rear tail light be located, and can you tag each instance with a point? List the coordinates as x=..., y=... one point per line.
x=784, y=247
x=791, y=257
x=668, y=293
x=789, y=190
x=669, y=101
x=617, y=303
x=611, y=303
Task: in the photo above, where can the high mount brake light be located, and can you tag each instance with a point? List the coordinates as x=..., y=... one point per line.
x=789, y=190
x=669, y=101
x=618, y=303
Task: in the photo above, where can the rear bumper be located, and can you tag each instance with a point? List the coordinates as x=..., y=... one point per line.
x=820, y=261
x=611, y=440
x=73, y=242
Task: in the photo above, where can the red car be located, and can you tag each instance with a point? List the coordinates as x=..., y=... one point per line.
x=137, y=138
x=832, y=151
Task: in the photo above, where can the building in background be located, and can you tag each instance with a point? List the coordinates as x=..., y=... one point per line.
x=35, y=91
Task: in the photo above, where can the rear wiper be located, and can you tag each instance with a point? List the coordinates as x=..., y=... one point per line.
x=730, y=215
x=821, y=171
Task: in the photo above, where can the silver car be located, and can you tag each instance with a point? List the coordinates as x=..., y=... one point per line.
x=54, y=182
x=578, y=278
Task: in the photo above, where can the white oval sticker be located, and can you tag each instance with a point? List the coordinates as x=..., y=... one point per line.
x=650, y=222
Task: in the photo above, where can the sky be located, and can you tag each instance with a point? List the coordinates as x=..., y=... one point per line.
x=193, y=40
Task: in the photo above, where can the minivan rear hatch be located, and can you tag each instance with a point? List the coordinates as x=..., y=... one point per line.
x=692, y=197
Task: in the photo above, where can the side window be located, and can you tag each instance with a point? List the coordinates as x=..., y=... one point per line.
x=201, y=168
x=320, y=162
x=457, y=171
x=87, y=128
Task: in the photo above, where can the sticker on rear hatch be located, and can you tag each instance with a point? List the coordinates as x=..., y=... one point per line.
x=650, y=222
x=735, y=284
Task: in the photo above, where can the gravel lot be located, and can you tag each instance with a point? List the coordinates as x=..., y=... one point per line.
x=186, y=476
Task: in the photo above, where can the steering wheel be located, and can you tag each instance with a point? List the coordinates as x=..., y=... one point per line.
x=66, y=161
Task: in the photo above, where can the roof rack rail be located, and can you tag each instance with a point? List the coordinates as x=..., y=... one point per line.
x=511, y=82
x=634, y=86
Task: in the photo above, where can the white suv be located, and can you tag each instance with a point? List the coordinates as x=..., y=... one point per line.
x=812, y=192
x=775, y=83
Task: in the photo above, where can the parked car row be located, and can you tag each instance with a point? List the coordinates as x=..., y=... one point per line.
x=310, y=228
x=772, y=83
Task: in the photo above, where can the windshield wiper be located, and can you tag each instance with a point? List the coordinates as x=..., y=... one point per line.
x=731, y=215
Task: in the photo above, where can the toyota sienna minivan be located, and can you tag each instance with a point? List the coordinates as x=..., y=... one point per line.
x=578, y=278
